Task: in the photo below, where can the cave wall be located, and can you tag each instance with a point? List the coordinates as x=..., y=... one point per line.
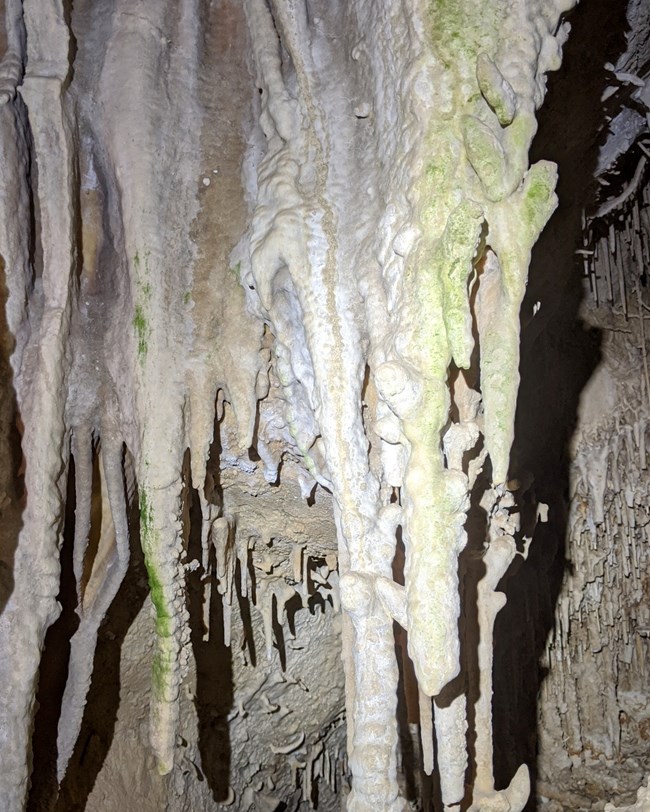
x=264, y=266
x=593, y=705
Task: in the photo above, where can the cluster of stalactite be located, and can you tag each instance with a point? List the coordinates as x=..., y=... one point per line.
x=601, y=618
x=391, y=212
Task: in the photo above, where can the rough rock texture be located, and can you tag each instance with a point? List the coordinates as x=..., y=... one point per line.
x=264, y=265
x=598, y=650
x=580, y=440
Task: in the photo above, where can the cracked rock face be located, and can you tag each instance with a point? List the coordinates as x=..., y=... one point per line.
x=263, y=266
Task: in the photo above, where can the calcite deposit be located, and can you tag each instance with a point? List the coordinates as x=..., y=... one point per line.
x=264, y=266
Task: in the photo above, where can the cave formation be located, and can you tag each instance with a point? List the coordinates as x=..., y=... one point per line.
x=324, y=405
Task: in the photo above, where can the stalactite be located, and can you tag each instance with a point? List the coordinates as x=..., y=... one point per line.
x=346, y=323
x=40, y=395
x=410, y=378
x=600, y=605
x=109, y=568
x=497, y=559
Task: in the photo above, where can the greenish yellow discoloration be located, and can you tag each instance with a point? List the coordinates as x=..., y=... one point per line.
x=142, y=332
x=496, y=90
x=455, y=254
x=538, y=198
x=452, y=33
x=466, y=194
x=486, y=156
x=144, y=291
x=149, y=541
x=161, y=570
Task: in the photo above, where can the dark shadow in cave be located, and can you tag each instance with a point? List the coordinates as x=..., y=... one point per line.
x=214, y=672
x=100, y=712
x=10, y=419
x=559, y=354
x=278, y=635
x=12, y=498
x=244, y=607
x=214, y=681
x=470, y=571
x=407, y=748
x=415, y=784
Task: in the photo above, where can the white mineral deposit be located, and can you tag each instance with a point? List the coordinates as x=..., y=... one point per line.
x=324, y=332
